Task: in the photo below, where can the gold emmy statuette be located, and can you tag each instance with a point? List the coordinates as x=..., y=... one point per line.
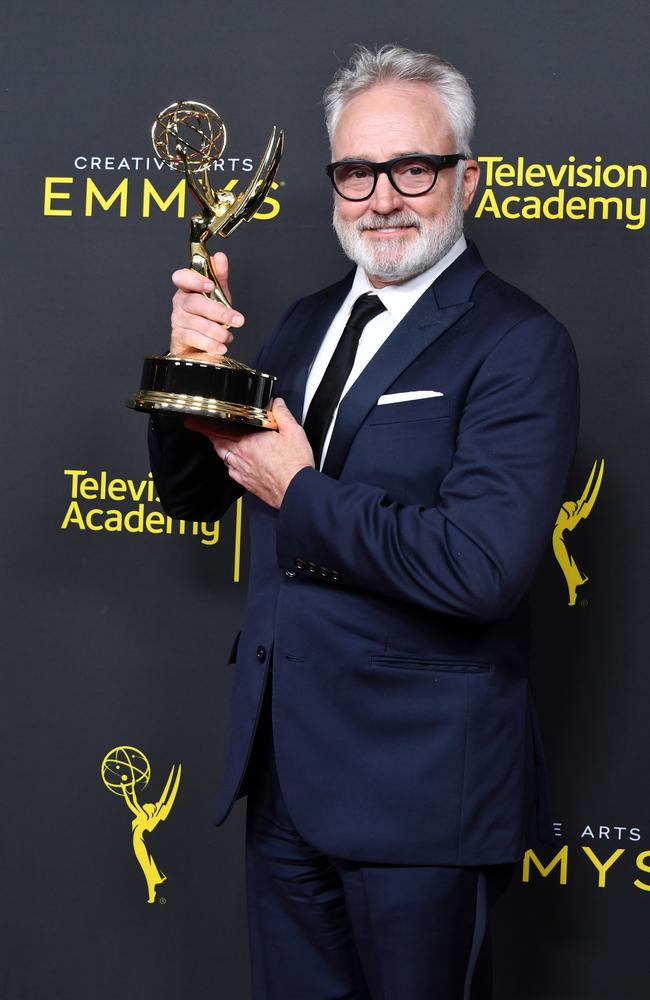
x=190, y=136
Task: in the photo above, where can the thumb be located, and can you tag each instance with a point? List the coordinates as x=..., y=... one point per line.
x=282, y=414
x=219, y=263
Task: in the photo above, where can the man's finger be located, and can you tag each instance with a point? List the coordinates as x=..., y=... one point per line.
x=184, y=338
x=189, y=280
x=198, y=305
x=200, y=426
x=220, y=267
x=219, y=434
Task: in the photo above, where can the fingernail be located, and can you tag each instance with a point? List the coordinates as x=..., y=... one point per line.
x=237, y=320
x=208, y=286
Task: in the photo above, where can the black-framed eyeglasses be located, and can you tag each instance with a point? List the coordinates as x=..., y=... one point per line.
x=411, y=176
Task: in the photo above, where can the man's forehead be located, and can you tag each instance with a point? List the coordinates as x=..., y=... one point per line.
x=391, y=112
x=403, y=94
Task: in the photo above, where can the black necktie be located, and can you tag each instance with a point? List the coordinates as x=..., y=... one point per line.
x=328, y=394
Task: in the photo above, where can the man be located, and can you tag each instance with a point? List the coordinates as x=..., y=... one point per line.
x=396, y=770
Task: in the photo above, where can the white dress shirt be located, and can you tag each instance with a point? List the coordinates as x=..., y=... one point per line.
x=398, y=300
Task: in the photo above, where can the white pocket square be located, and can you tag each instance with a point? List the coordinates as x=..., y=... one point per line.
x=402, y=397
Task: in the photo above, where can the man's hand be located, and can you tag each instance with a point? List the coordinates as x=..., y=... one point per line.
x=198, y=323
x=263, y=462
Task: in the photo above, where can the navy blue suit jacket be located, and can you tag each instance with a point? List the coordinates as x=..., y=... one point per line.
x=391, y=586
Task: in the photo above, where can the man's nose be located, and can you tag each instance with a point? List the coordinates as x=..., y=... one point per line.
x=385, y=198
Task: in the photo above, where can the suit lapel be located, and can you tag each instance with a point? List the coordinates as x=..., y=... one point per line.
x=305, y=343
x=437, y=309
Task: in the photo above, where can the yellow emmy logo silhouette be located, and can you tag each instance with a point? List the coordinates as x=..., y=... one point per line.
x=122, y=770
x=571, y=513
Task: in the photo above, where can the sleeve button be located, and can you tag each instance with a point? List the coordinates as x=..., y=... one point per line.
x=261, y=654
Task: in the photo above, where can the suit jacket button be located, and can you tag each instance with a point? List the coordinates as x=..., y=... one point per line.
x=312, y=567
x=301, y=564
x=261, y=654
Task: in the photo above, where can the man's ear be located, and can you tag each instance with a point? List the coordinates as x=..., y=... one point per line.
x=471, y=178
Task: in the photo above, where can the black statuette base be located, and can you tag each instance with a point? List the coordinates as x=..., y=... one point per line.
x=238, y=394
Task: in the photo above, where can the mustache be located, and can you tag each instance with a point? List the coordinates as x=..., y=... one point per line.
x=393, y=221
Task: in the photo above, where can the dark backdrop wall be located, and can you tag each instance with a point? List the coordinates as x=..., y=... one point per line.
x=117, y=623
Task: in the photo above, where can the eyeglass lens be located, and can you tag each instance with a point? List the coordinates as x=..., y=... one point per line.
x=410, y=176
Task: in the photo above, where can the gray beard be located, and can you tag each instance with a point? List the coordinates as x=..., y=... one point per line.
x=400, y=259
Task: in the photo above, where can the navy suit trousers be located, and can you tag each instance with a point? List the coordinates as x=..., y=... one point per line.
x=323, y=928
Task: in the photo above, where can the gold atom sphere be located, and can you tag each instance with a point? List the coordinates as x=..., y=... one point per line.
x=189, y=133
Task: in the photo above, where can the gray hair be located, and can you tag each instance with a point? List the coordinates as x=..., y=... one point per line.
x=392, y=63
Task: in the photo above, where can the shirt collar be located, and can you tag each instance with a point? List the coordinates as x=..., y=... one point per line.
x=399, y=299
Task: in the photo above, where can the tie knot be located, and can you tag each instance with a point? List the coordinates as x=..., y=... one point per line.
x=364, y=309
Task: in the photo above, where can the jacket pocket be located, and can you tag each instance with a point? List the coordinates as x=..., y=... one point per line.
x=437, y=665
x=432, y=408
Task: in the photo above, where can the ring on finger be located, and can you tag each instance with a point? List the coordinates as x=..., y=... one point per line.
x=225, y=457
